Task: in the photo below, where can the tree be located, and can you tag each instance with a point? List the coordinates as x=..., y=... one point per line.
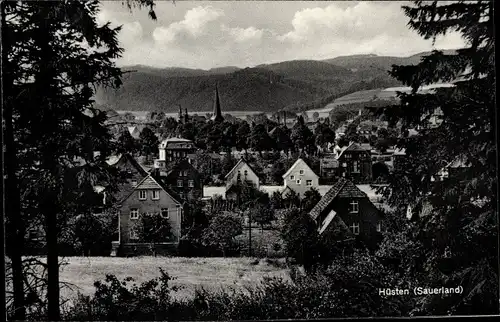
x=281, y=137
x=64, y=53
x=302, y=137
x=311, y=198
x=300, y=236
x=380, y=171
x=242, y=135
x=277, y=171
x=276, y=201
x=229, y=136
x=324, y=135
x=126, y=143
x=228, y=163
x=149, y=142
x=259, y=139
x=153, y=228
x=262, y=215
x=222, y=230
x=461, y=229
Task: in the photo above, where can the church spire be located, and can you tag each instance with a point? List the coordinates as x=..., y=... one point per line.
x=217, y=114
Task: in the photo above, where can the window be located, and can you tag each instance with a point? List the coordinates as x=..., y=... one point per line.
x=185, y=173
x=354, y=206
x=191, y=183
x=355, y=228
x=165, y=213
x=298, y=181
x=133, y=234
x=134, y=213
x=292, y=177
x=379, y=227
x=142, y=195
x=179, y=183
x=155, y=194
x=301, y=172
x=309, y=183
x=355, y=166
x=245, y=173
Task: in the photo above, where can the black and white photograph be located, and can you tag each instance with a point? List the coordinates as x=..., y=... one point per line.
x=248, y=160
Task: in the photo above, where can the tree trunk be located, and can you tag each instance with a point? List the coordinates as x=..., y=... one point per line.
x=43, y=82
x=15, y=225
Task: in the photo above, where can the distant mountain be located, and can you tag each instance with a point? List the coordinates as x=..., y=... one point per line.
x=244, y=90
x=293, y=85
x=373, y=65
x=316, y=72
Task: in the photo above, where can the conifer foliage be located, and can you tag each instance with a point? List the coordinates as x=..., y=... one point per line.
x=459, y=236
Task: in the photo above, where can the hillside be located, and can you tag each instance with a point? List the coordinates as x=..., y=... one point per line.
x=293, y=85
x=244, y=90
x=375, y=66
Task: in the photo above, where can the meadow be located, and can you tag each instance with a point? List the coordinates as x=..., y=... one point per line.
x=189, y=273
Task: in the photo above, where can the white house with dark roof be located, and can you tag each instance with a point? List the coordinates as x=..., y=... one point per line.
x=300, y=177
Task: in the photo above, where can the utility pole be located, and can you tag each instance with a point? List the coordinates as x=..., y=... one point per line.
x=249, y=234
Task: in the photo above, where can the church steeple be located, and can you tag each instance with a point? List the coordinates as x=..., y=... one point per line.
x=217, y=114
x=186, y=115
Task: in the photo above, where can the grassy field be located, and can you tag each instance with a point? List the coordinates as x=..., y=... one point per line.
x=190, y=273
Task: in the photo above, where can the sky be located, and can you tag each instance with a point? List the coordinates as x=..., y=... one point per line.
x=209, y=34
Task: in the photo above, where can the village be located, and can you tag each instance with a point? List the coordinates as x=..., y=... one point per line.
x=248, y=160
x=343, y=184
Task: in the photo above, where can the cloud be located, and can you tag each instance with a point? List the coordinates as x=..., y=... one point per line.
x=209, y=34
x=194, y=24
x=241, y=35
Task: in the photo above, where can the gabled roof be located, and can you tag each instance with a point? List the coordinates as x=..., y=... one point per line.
x=172, y=166
x=352, y=147
x=296, y=164
x=113, y=160
x=342, y=188
x=399, y=151
x=149, y=182
x=238, y=165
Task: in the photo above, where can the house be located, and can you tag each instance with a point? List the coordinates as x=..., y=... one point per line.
x=180, y=176
x=355, y=163
x=242, y=171
x=300, y=178
x=134, y=131
x=132, y=170
x=148, y=196
x=172, y=149
x=454, y=169
x=328, y=167
x=346, y=205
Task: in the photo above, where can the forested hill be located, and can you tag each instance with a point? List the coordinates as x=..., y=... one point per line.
x=292, y=85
